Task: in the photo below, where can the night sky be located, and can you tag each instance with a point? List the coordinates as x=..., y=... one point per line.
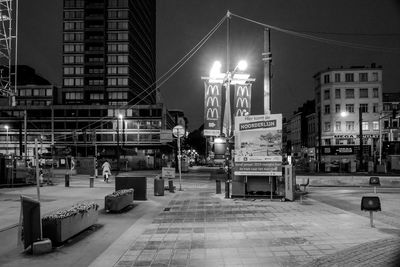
x=181, y=24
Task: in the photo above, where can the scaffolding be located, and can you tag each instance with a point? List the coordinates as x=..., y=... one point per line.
x=8, y=45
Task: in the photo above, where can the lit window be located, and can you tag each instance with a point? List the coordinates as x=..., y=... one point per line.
x=365, y=125
x=375, y=125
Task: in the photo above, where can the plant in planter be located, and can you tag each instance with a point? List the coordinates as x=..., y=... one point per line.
x=118, y=200
x=63, y=224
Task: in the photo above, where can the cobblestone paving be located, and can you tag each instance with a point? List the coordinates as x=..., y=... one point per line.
x=200, y=228
x=381, y=253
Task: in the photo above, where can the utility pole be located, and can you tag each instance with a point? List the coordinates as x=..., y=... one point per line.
x=361, y=139
x=266, y=57
x=25, y=135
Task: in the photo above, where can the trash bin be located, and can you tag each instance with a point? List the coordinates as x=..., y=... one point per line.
x=91, y=181
x=171, y=186
x=218, y=186
x=159, y=187
x=67, y=180
x=138, y=183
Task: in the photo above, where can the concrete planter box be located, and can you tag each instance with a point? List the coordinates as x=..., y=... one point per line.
x=115, y=204
x=62, y=229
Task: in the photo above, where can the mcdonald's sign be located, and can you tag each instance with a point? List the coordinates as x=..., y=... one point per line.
x=242, y=99
x=212, y=101
x=212, y=108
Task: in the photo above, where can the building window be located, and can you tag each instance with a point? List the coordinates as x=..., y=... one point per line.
x=326, y=78
x=68, y=82
x=375, y=93
x=337, y=77
x=74, y=95
x=375, y=125
x=364, y=108
x=349, y=77
x=117, y=95
x=375, y=108
x=327, y=109
x=363, y=77
x=349, y=93
x=364, y=93
x=350, y=108
x=349, y=125
x=338, y=126
x=327, y=142
x=327, y=94
x=365, y=125
x=96, y=96
x=337, y=108
x=123, y=59
x=327, y=126
x=374, y=76
x=73, y=14
x=337, y=93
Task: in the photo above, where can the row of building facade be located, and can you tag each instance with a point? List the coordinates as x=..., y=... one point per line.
x=348, y=101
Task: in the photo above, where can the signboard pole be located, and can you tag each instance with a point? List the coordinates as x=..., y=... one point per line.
x=38, y=184
x=179, y=162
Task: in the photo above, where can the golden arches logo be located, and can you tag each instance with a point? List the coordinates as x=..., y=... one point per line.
x=212, y=114
x=212, y=88
x=243, y=102
x=243, y=90
x=212, y=101
x=241, y=112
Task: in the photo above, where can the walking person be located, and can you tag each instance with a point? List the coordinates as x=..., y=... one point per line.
x=106, y=170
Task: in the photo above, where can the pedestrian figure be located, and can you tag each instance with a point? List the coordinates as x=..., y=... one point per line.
x=106, y=170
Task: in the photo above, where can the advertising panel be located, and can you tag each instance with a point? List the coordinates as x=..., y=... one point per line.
x=242, y=100
x=212, y=109
x=258, y=144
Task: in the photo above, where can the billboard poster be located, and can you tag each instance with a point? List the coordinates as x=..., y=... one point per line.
x=258, y=145
x=242, y=100
x=212, y=108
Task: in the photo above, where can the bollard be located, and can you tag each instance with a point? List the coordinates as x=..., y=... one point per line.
x=67, y=180
x=171, y=186
x=91, y=182
x=227, y=193
x=218, y=186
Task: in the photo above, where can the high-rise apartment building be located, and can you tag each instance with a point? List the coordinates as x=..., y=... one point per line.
x=109, y=52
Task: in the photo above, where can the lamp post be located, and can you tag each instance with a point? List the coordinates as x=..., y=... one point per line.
x=6, y=127
x=118, y=148
x=361, y=139
x=227, y=79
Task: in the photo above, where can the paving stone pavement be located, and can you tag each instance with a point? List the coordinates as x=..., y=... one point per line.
x=200, y=228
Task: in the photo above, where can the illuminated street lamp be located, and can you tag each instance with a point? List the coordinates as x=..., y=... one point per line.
x=6, y=127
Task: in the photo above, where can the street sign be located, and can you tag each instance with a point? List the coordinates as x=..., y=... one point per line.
x=168, y=173
x=178, y=131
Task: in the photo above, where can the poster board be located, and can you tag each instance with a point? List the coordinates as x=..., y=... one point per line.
x=31, y=220
x=168, y=173
x=258, y=145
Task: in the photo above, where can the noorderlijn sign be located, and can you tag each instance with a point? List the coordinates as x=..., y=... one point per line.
x=258, y=145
